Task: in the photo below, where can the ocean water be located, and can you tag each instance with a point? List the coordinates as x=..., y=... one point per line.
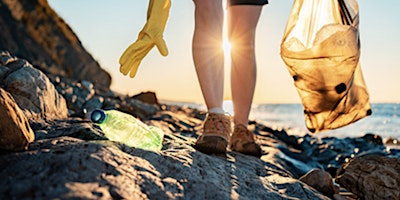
x=384, y=121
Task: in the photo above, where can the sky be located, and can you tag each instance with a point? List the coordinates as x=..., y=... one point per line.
x=107, y=28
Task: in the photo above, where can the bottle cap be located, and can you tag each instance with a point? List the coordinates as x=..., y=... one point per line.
x=98, y=116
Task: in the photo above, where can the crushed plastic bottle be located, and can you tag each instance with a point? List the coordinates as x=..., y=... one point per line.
x=124, y=128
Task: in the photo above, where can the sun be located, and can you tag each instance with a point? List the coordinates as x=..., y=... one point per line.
x=226, y=46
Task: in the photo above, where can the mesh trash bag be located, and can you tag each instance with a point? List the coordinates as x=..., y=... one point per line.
x=321, y=49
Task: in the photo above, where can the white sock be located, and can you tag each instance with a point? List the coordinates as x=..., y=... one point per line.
x=216, y=110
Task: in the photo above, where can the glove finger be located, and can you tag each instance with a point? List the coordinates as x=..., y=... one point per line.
x=126, y=67
x=129, y=64
x=134, y=68
x=128, y=53
x=131, y=51
x=162, y=47
x=131, y=54
x=133, y=63
x=123, y=69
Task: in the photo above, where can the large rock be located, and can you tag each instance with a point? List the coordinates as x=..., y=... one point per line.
x=372, y=177
x=32, y=30
x=147, y=97
x=71, y=168
x=321, y=181
x=32, y=90
x=15, y=132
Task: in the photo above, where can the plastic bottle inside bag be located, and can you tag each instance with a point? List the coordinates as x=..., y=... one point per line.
x=321, y=50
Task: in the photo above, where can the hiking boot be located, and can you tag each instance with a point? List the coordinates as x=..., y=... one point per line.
x=216, y=132
x=243, y=141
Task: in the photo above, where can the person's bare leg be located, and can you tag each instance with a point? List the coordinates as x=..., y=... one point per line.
x=242, y=23
x=208, y=58
x=207, y=51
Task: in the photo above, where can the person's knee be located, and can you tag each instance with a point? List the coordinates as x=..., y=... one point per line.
x=241, y=45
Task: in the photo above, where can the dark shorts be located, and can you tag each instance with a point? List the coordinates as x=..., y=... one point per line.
x=247, y=2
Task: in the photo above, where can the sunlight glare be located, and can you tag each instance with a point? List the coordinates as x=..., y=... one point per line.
x=226, y=45
x=228, y=106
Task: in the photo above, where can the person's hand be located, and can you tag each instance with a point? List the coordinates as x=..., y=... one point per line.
x=150, y=36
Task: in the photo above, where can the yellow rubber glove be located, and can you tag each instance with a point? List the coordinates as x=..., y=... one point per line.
x=151, y=35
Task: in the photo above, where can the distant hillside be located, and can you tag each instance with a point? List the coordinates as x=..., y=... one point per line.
x=33, y=30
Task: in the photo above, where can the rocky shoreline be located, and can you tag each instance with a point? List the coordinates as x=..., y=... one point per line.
x=69, y=158
x=50, y=150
